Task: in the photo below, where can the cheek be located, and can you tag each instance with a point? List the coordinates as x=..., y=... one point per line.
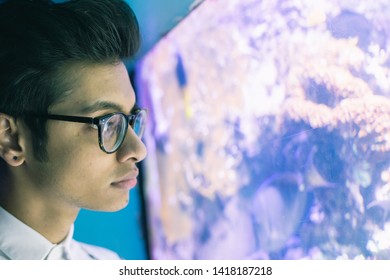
x=81, y=174
x=76, y=162
x=86, y=184
x=81, y=179
x=72, y=146
x=81, y=164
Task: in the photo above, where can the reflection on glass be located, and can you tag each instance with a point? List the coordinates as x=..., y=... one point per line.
x=269, y=132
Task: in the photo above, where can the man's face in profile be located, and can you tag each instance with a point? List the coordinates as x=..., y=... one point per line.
x=78, y=173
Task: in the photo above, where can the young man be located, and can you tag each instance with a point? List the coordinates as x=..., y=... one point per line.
x=69, y=126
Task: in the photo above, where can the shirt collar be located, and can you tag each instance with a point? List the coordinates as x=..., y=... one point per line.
x=20, y=242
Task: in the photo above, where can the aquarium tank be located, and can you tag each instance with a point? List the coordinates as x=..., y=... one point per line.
x=269, y=131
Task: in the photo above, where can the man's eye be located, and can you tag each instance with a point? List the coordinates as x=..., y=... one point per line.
x=112, y=124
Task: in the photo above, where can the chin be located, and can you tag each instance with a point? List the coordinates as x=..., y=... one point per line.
x=111, y=206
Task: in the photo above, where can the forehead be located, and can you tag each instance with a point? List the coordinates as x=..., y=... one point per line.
x=90, y=86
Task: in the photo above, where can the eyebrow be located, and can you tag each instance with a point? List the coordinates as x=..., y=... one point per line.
x=103, y=105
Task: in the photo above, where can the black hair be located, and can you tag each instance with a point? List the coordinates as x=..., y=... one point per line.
x=40, y=38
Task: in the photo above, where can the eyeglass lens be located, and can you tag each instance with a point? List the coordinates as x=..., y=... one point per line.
x=112, y=132
x=139, y=123
x=114, y=129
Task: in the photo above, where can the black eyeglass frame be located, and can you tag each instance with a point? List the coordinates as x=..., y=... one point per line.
x=99, y=122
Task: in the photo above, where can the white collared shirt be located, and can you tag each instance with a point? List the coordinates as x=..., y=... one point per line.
x=20, y=242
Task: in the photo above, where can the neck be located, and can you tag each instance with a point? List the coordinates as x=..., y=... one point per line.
x=51, y=220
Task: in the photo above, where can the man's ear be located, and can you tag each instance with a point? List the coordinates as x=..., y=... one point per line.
x=10, y=148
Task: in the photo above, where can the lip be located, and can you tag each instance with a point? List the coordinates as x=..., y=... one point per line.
x=127, y=183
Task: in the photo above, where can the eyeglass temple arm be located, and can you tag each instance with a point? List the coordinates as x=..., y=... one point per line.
x=71, y=119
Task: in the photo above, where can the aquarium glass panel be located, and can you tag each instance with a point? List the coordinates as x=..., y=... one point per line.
x=269, y=131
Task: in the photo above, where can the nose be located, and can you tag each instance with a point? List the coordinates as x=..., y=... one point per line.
x=132, y=148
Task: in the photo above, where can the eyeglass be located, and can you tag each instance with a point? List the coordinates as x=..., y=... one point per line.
x=112, y=128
